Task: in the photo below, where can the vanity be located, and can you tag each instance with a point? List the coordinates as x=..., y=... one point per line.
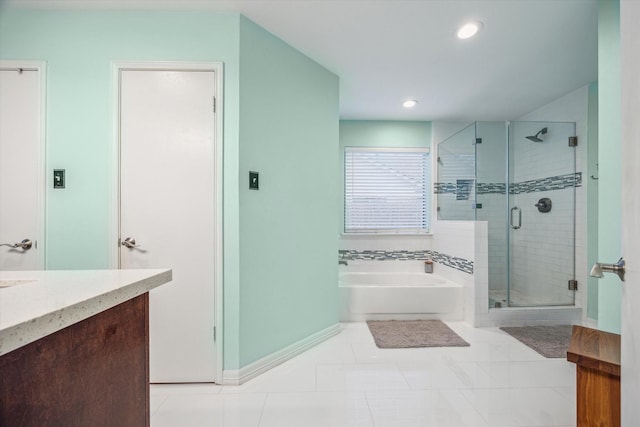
x=597, y=358
x=74, y=347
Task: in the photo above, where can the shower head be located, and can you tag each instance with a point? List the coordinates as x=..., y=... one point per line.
x=536, y=137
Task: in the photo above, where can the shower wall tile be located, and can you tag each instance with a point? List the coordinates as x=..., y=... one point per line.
x=454, y=237
x=468, y=240
x=476, y=302
x=444, y=188
x=491, y=153
x=547, y=183
x=543, y=248
x=452, y=209
x=492, y=188
x=494, y=212
x=550, y=183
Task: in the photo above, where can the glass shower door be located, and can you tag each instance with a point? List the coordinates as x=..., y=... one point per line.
x=541, y=189
x=455, y=185
x=491, y=161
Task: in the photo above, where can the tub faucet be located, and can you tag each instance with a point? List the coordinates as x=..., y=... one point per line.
x=343, y=257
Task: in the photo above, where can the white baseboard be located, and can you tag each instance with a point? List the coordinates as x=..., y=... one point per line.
x=242, y=375
x=591, y=323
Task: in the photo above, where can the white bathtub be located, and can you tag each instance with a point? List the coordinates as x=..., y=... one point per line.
x=398, y=295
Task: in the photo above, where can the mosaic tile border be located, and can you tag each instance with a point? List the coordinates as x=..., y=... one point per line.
x=461, y=264
x=444, y=187
x=550, y=183
x=491, y=188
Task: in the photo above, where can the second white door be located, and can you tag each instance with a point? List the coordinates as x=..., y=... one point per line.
x=167, y=131
x=21, y=167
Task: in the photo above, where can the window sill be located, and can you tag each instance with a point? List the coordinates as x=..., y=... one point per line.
x=356, y=235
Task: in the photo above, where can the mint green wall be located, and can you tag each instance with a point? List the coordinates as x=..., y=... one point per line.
x=379, y=133
x=78, y=47
x=285, y=250
x=288, y=243
x=609, y=161
x=592, y=199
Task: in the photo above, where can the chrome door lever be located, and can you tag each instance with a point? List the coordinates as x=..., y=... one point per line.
x=24, y=245
x=129, y=243
x=599, y=268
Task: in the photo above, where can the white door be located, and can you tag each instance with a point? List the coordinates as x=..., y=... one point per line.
x=167, y=205
x=630, y=375
x=21, y=168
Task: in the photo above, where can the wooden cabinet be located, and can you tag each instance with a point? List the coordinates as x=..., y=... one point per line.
x=92, y=373
x=597, y=358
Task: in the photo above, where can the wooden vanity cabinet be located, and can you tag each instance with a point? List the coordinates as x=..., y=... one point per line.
x=92, y=373
x=597, y=358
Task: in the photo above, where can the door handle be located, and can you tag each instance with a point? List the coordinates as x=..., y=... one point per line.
x=24, y=245
x=516, y=209
x=129, y=243
x=599, y=268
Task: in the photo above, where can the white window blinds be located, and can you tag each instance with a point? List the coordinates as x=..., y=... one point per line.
x=387, y=190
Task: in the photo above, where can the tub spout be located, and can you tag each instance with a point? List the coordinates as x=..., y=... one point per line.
x=343, y=256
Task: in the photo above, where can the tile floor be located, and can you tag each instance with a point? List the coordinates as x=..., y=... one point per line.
x=348, y=381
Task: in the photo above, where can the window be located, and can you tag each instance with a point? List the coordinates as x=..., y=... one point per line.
x=387, y=190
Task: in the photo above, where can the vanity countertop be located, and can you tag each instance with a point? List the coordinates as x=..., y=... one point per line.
x=39, y=303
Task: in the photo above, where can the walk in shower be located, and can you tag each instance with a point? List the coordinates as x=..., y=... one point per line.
x=521, y=178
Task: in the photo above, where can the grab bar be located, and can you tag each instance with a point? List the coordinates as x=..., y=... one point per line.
x=514, y=209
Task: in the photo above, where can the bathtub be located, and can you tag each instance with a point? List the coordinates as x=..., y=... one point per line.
x=398, y=295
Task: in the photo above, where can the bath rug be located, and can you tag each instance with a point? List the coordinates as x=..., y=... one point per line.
x=413, y=333
x=549, y=341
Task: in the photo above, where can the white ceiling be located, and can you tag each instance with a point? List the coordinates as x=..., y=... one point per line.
x=530, y=52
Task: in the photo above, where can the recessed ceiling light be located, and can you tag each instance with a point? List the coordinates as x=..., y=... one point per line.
x=469, y=30
x=410, y=103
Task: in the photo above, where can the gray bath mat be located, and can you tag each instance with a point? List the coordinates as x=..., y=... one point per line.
x=413, y=333
x=549, y=341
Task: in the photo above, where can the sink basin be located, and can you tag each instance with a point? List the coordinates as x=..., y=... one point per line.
x=8, y=283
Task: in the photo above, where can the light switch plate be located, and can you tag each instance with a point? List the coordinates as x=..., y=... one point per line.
x=58, y=178
x=253, y=180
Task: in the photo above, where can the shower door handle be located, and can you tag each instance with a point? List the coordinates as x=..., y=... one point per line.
x=519, y=211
